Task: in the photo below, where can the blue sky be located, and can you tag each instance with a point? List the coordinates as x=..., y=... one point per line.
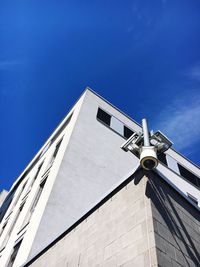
x=142, y=56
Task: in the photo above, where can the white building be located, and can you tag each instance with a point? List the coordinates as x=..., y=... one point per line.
x=79, y=165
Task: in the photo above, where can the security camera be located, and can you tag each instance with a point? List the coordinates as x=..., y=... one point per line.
x=146, y=146
x=148, y=157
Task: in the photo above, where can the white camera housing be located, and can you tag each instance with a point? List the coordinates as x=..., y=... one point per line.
x=148, y=157
x=146, y=146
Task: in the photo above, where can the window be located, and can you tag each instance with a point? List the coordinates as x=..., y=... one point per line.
x=193, y=199
x=56, y=150
x=12, y=227
x=189, y=176
x=5, y=206
x=36, y=175
x=14, y=254
x=114, y=123
x=34, y=204
x=54, y=154
x=17, y=216
x=127, y=132
x=45, y=149
x=104, y=117
x=19, y=194
x=3, y=227
x=38, y=195
x=13, y=200
x=162, y=158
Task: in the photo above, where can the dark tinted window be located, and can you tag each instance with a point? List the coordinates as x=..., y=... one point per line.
x=114, y=123
x=56, y=149
x=3, y=227
x=33, y=205
x=14, y=254
x=127, y=132
x=36, y=175
x=38, y=195
x=103, y=116
x=6, y=205
x=189, y=176
x=162, y=158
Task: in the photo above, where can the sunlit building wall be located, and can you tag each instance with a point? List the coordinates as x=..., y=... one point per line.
x=81, y=166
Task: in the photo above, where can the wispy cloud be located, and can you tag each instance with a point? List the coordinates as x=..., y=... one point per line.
x=8, y=64
x=180, y=121
x=194, y=72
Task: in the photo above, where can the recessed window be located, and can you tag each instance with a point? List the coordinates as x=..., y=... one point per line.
x=34, y=204
x=38, y=195
x=127, y=132
x=53, y=156
x=19, y=194
x=103, y=116
x=36, y=175
x=4, y=243
x=3, y=227
x=56, y=150
x=5, y=206
x=14, y=254
x=45, y=149
x=115, y=124
x=189, y=176
x=162, y=158
x=14, y=198
x=193, y=199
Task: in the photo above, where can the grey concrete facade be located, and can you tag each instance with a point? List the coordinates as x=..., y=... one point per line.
x=118, y=233
x=144, y=223
x=176, y=225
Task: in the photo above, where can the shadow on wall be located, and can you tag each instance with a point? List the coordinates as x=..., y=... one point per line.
x=171, y=212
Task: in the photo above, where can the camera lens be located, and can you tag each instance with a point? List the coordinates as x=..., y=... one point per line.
x=149, y=164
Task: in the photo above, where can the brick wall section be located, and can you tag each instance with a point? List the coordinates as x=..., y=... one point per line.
x=176, y=224
x=118, y=233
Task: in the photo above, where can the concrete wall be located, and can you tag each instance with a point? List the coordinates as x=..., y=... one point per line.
x=144, y=223
x=176, y=225
x=118, y=233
